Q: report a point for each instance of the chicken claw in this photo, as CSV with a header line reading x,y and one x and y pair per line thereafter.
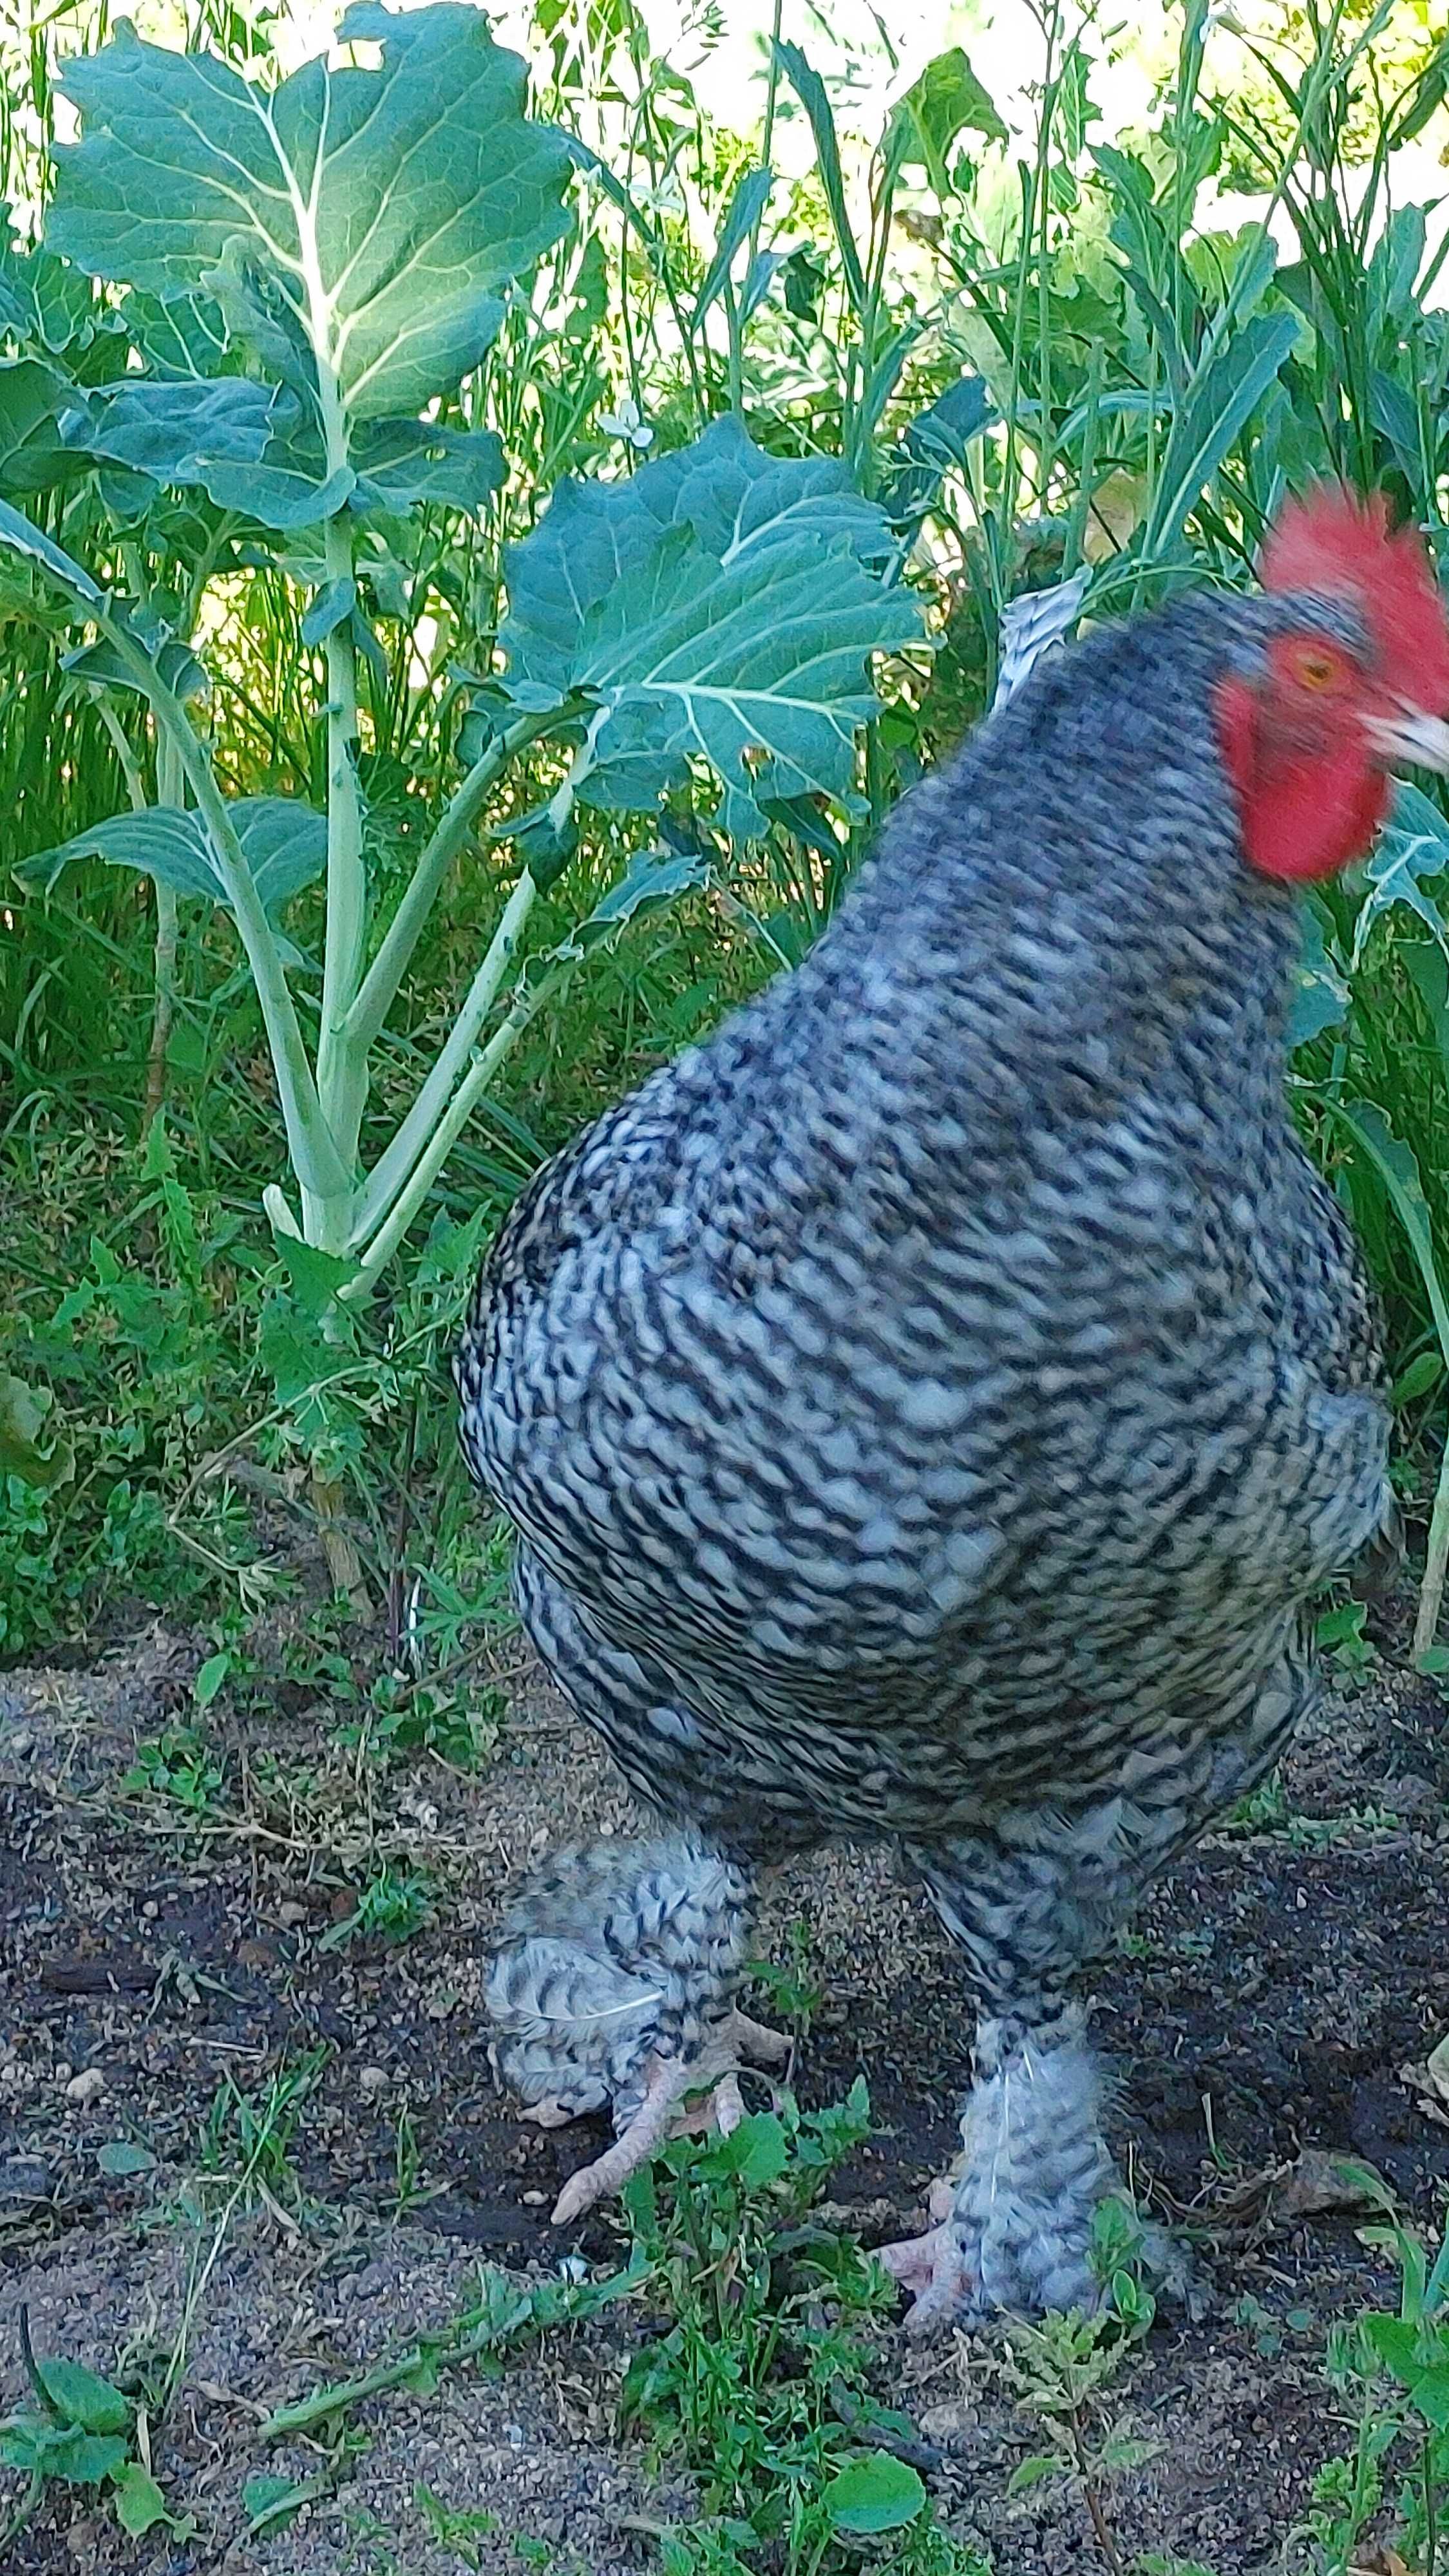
x,y
933,2267
663,2113
756,2042
548,2114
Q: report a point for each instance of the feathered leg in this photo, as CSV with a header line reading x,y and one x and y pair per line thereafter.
x,y
614,1983
1013,2231
1029,1902
616,1978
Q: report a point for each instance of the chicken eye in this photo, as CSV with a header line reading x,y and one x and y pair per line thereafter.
x,y
1315,668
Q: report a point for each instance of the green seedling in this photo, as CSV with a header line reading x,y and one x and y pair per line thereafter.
x,y
80,2432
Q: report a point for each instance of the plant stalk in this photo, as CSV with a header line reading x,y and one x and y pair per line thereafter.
x,y
341,1062
450,1127
171,790
313,1150
163,1007
389,1174
1436,1564
384,976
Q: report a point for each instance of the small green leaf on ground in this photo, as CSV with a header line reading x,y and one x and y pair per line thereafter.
x,y
121,2157
138,2500
83,2397
875,2493
23,1414
269,2502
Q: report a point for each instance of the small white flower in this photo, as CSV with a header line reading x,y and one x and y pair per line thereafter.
x,y
627,423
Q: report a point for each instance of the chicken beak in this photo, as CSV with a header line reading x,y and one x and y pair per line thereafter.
x,y
1409,738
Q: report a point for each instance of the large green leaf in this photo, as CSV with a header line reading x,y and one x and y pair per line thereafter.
x,y
399,462
50,305
388,207
42,2449
1319,996
250,447
178,429
22,537
721,603
285,846
1413,845
947,100
179,335
33,457
103,665
253,450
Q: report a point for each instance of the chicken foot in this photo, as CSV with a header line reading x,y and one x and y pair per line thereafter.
x,y
663,2113
1013,2229
613,1983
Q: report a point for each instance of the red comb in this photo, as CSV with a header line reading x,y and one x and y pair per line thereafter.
x,y
1335,544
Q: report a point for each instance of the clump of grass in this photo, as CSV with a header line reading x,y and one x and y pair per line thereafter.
x,y
247,2137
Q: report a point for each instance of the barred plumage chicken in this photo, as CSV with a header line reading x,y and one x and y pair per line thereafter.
x,y
928,1408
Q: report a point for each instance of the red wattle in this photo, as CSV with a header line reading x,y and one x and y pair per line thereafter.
x,y
1312,817
1302,815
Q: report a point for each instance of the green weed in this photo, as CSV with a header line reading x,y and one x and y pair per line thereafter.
x,y
793,1993
1268,1810
1340,1634
177,1766
393,1906
460,2528
758,2379
80,2433
1390,2374
247,2137
410,2190
1063,2369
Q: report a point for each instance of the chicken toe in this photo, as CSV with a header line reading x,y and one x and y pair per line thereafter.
x,y
614,1984
934,2267
1012,2231
663,2113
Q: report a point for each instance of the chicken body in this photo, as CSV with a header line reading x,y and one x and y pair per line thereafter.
x,y
928,1407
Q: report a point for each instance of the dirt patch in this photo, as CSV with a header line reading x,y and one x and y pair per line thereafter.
x,y
1274,1992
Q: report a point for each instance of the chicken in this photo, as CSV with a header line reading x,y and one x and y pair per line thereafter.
x,y
928,1407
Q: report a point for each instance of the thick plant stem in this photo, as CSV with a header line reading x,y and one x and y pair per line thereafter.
x,y
170,789
163,1009
341,1063
385,974
470,1091
390,1173
1436,1563
315,1158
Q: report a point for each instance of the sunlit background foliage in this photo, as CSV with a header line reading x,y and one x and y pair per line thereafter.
x,y
1063,299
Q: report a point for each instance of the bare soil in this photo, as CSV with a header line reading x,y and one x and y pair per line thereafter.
x,y
1277,2003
